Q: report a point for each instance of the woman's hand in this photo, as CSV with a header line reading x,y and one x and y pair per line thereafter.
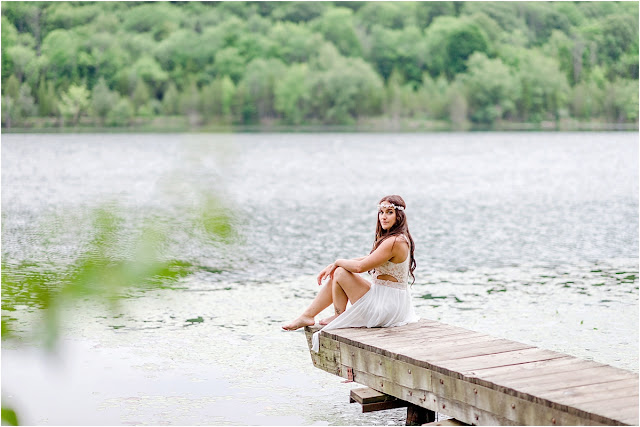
x,y
326,272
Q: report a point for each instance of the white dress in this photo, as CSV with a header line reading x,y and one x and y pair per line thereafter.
x,y
386,304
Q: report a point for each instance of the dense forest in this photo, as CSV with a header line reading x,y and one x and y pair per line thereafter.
x,y
451,64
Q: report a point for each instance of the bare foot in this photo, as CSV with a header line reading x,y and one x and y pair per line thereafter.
x,y
328,319
299,323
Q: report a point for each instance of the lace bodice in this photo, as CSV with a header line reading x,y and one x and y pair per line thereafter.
x,y
399,271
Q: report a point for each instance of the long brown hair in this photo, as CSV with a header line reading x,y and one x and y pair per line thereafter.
x,y
400,227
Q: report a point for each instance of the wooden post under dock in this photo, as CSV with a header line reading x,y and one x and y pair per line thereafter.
x,y
479,379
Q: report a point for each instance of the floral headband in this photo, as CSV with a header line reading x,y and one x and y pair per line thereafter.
x,y
381,206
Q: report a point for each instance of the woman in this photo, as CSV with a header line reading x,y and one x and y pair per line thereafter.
x,y
386,301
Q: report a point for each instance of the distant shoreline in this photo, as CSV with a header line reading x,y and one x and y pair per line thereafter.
x,y
364,126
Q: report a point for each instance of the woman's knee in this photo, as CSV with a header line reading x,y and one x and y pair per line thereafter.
x,y
340,273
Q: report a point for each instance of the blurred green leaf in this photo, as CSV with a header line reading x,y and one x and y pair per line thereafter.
x,y
9,417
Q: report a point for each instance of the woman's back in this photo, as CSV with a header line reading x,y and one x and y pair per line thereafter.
x,y
394,270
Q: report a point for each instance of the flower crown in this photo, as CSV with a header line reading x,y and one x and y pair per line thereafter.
x,y
390,205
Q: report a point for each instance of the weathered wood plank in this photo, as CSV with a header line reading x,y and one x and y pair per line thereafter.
x,y
626,407
614,394
439,343
381,406
627,404
501,359
366,395
425,338
487,348
399,333
563,365
524,368
568,380
445,345
591,392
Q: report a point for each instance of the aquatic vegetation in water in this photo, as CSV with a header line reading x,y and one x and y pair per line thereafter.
x,y
198,319
107,270
429,296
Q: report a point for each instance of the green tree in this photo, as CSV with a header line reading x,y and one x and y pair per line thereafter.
x,y
619,35
121,113
9,39
341,94
298,11
260,78
568,52
427,11
9,111
627,66
458,107
109,56
292,94
383,53
387,14
337,26
435,96
252,46
47,99
27,17
140,95
394,106
102,100
621,100
542,20
25,103
171,100
294,42
66,15
507,14
60,47
159,19
586,100
242,110
491,89
228,62
12,87
188,50
544,88
74,103
450,42
16,108
190,106
151,73
217,98
20,56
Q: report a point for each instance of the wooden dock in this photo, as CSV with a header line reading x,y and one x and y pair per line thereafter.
x,y
479,379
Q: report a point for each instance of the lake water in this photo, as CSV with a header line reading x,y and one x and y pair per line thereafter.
x,y
527,236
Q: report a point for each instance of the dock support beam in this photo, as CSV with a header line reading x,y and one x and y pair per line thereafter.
x,y
417,415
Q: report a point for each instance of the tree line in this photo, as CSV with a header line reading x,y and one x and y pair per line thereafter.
x,y
324,63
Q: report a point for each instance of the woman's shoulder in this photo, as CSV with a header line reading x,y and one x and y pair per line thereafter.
x,y
390,241
401,238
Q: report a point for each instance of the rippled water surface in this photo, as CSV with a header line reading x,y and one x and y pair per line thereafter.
x,y
527,236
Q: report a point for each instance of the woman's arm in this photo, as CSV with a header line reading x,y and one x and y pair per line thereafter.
x,y
382,254
328,270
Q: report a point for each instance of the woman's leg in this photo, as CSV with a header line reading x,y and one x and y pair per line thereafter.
x,y
340,300
346,287
319,303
